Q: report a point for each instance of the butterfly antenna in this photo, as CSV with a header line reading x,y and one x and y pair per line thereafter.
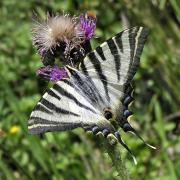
x,y
128,128
117,135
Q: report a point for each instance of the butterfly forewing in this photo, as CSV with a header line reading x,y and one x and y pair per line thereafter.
x,y
113,64
117,59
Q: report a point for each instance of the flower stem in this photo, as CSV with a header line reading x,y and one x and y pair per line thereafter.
x,y
115,156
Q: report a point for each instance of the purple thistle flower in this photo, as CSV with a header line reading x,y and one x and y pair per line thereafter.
x,y
52,73
88,24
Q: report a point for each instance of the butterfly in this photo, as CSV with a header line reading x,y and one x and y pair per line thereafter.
x,y
97,91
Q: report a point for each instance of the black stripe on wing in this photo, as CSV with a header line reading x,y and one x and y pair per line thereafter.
x,y
118,39
53,94
100,52
67,81
83,82
37,125
58,110
140,45
117,58
132,37
96,63
83,68
40,107
137,38
38,120
63,92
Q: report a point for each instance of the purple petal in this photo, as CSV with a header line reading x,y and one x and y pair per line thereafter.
x,y
88,25
52,73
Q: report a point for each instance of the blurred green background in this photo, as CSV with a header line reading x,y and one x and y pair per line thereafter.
x,y
75,155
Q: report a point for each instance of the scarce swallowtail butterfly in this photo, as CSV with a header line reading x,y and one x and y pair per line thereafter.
x,y
100,89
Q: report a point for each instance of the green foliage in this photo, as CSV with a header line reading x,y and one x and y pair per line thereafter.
x,y
74,155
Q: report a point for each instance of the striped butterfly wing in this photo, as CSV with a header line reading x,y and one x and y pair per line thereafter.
x,y
95,91
111,67
116,60
64,107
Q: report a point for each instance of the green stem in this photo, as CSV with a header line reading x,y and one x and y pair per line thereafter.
x,y
115,156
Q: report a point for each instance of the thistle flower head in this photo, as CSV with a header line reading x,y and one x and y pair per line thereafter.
x,y
88,24
64,37
52,73
49,34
